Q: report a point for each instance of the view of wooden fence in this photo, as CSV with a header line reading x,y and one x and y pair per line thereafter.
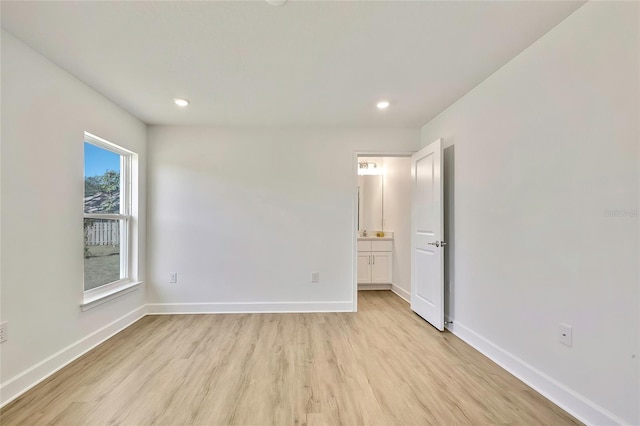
x,y
103,233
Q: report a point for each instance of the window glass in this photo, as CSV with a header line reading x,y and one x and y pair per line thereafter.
x,y
102,261
101,180
106,213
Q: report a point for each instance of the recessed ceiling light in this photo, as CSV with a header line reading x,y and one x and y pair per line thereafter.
x,y
181,102
276,2
383,104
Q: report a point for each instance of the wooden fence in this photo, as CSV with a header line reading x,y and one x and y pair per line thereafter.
x,y
103,233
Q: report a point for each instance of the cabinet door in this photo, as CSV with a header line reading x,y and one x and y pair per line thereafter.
x,y
381,267
364,268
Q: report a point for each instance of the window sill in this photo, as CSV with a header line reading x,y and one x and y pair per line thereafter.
x,y
93,298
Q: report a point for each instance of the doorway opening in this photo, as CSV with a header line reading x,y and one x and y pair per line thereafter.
x,y
399,242
383,223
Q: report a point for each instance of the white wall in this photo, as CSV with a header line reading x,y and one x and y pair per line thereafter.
x,y
245,215
397,218
45,111
541,150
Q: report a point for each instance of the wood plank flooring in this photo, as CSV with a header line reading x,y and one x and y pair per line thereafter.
x,y
381,366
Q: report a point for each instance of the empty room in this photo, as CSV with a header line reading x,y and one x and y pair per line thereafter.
x,y
287,212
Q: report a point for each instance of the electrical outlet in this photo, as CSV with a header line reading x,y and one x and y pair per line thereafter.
x,y
565,333
315,277
173,278
3,332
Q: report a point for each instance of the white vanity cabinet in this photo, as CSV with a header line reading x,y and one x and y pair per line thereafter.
x,y
375,261
364,267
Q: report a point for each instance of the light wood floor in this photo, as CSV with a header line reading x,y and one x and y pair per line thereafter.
x,y
381,366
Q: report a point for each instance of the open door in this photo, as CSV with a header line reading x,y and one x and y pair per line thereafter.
x,y
427,247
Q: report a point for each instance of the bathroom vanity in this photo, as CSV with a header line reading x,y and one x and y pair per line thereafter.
x,y
375,262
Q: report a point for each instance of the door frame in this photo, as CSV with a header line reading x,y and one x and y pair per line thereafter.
x,y
354,210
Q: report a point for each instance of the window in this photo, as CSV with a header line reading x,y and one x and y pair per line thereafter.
x,y
107,217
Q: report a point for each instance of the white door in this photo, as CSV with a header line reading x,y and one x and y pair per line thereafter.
x,y
381,267
364,268
427,251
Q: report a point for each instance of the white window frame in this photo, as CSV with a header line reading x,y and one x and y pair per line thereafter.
x,y
128,186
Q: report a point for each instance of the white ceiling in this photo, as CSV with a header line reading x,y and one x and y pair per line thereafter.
x,y
304,63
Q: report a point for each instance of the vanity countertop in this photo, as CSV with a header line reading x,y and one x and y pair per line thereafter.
x,y
385,238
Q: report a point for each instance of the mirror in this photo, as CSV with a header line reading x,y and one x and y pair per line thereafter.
x,y
370,198
370,203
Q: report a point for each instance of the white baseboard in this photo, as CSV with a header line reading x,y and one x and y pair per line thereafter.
x,y
247,307
19,384
569,400
369,286
401,292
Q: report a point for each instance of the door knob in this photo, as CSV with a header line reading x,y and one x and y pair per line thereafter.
x,y
438,244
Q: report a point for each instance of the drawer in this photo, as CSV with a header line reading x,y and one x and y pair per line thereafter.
x,y
381,245
364,245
